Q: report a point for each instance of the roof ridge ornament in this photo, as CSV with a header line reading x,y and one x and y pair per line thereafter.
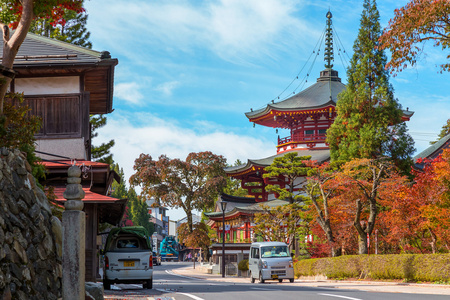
x,y
329,56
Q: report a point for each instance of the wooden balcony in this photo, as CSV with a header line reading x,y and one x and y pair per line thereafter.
x,y
302,138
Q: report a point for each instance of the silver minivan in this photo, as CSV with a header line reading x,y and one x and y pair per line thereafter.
x,y
128,257
270,261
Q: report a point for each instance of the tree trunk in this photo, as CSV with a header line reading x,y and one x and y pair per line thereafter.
x,y
11,45
433,241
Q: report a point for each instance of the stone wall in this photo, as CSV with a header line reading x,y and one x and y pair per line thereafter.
x,y
30,237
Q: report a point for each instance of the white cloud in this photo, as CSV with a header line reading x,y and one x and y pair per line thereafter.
x,y
129,92
157,137
167,87
232,29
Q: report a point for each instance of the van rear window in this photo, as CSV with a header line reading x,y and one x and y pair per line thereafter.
x,y
127,243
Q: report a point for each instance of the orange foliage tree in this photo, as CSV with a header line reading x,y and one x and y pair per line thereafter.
x,y
417,22
366,186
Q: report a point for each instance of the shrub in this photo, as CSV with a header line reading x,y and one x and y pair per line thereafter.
x,y
243,265
417,267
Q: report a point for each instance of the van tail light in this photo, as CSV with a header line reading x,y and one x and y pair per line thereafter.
x,y
106,263
150,263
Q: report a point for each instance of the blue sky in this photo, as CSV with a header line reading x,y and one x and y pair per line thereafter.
x,y
189,70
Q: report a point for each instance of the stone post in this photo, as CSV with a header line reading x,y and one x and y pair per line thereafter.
x,y
74,235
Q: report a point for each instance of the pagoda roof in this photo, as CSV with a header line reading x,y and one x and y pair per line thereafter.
x,y
319,155
321,94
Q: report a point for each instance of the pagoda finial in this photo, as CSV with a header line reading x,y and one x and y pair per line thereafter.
x,y
329,56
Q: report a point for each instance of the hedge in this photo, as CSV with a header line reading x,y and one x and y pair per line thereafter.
x,y
410,267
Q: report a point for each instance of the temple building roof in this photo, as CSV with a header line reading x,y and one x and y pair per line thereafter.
x,y
433,151
319,155
320,95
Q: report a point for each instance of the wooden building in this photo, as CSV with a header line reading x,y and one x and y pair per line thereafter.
x,y
64,84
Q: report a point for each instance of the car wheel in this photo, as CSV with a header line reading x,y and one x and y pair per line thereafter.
x,y
291,280
280,280
252,279
148,284
261,280
106,284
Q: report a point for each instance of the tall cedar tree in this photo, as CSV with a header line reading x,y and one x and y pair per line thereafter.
x,y
414,24
366,109
18,14
191,184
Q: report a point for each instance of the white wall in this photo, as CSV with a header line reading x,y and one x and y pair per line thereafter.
x,y
73,148
48,85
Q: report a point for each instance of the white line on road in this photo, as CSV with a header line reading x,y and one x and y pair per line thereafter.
x,y
174,274
191,296
185,294
339,296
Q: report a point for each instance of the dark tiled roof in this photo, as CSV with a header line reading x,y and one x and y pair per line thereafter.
x,y
434,150
37,50
321,94
318,155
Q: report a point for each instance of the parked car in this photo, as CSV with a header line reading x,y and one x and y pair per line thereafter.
x,y
270,261
128,257
156,259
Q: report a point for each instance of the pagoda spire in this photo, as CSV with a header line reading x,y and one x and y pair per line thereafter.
x,y
329,56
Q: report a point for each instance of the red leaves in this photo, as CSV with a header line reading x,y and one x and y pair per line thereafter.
x,y
415,23
51,9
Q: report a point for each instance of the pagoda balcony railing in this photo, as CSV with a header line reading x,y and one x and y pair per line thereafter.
x,y
302,138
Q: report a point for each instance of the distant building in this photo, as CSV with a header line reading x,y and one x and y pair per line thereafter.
x,y
159,219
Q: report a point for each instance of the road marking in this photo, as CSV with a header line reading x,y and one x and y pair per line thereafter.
x,y
185,294
339,296
191,296
170,272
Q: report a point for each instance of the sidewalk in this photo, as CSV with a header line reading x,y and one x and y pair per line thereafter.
x,y
373,286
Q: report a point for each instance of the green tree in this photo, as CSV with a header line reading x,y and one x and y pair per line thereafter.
x,y
291,167
234,185
191,184
280,223
100,153
367,113
444,131
73,31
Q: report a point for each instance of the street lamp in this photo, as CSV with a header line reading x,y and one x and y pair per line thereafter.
x,y
224,206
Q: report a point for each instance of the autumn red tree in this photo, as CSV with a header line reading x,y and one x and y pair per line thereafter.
x,y
417,22
191,184
364,185
18,14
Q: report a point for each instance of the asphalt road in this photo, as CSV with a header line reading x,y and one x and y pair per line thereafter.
x,y
168,285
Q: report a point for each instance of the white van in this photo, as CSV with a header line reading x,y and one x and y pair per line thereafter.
x,y
128,257
270,261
